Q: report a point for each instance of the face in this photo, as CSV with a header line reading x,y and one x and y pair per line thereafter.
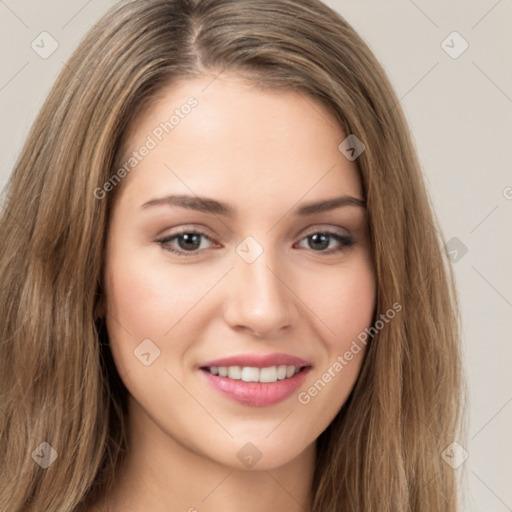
x,y
229,316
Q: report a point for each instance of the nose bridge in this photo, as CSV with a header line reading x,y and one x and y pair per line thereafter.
x,y
259,298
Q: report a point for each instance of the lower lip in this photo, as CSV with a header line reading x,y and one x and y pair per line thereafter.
x,y
256,394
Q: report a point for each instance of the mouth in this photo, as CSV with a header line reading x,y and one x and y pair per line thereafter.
x,y
253,374
254,380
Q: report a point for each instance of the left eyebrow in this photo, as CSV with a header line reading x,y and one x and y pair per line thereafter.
x,y
208,205
330,204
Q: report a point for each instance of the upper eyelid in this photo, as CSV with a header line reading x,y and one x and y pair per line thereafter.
x,y
310,229
205,233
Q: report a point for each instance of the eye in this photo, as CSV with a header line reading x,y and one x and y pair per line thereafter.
x,y
190,241
319,241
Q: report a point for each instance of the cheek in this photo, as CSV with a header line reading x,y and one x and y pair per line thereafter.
x,y
139,295
346,303
139,304
346,307
146,292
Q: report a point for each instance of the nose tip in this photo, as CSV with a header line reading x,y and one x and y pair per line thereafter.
x,y
259,300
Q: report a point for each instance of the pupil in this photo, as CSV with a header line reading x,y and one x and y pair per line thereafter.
x,y
315,239
191,241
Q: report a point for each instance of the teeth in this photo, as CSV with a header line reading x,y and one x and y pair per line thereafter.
x,y
235,372
268,374
281,372
251,374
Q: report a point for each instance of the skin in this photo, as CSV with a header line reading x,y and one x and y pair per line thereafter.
x,y
266,152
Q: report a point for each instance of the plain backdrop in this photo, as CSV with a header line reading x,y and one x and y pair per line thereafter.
x,y
458,102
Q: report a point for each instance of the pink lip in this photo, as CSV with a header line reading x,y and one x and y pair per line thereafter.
x,y
257,394
258,361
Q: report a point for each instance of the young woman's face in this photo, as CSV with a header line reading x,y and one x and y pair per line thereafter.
x,y
252,282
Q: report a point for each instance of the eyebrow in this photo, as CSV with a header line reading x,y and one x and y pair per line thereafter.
x,y
208,205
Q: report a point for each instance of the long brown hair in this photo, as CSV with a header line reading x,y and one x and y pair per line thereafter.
x,y
57,381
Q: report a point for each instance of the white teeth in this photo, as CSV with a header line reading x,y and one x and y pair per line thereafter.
x,y
281,372
234,372
268,374
251,374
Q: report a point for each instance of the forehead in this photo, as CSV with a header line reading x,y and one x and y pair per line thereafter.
x,y
224,136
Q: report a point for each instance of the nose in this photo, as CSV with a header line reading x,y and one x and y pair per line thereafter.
x,y
260,300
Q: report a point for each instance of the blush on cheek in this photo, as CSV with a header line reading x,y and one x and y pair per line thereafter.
x,y
155,302
347,309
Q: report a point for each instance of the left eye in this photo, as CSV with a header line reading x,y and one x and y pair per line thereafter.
x,y
321,240
190,242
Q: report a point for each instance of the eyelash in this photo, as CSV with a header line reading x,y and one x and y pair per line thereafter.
x,y
344,241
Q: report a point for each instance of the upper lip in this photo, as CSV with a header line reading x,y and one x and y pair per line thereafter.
x,y
258,361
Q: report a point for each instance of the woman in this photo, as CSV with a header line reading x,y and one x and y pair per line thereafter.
x,y
144,370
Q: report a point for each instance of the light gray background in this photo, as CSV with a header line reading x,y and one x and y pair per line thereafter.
x,y
459,111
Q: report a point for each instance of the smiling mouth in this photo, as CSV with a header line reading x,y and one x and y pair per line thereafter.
x,y
252,374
